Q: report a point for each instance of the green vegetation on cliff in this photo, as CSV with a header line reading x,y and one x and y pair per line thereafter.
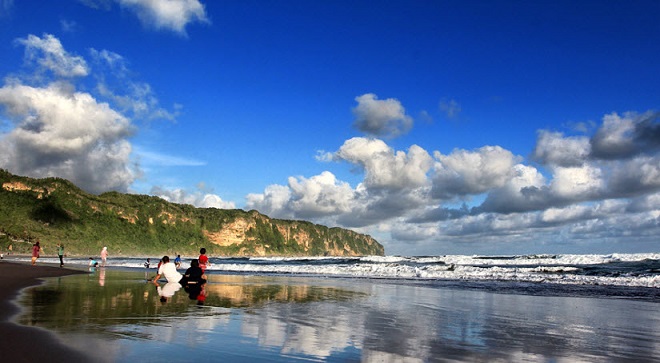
x,y
54,210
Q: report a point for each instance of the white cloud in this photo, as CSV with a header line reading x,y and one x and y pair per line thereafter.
x,y
615,137
384,167
472,172
199,198
410,196
636,176
174,15
318,196
67,134
381,118
49,53
129,96
154,158
563,215
577,183
273,202
554,149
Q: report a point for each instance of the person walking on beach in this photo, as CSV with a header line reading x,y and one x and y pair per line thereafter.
x,y
104,256
203,259
168,270
35,252
60,253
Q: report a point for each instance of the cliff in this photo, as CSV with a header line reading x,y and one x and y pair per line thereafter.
x,y
54,210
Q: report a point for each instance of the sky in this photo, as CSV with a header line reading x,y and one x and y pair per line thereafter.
x,y
437,127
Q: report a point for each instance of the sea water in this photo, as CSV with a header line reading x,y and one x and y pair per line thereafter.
x,y
331,310
623,270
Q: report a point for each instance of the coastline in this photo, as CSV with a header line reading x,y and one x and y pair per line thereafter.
x,y
28,344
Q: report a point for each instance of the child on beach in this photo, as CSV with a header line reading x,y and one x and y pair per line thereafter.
x,y
177,261
35,252
60,253
203,259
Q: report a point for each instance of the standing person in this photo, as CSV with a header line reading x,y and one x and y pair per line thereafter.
x,y
104,255
60,253
203,259
35,252
177,261
168,270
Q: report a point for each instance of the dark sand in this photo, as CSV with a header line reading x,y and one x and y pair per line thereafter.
x,y
27,344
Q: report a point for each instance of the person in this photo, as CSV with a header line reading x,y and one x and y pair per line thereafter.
x,y
35,252
60,253
93,262
104,255
194,274
177,261
147,263
168,270
193,280
203,259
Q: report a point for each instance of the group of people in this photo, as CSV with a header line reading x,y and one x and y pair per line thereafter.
x,y
193,280
37,250
104,258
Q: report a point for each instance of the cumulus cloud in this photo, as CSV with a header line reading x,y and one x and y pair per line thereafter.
x,y
199,198
575,193
553,148
385,167
173,15
67,134
273,201
318,196
472,172
626,136
52,129
381,118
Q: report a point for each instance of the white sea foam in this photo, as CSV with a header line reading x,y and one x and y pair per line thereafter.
x,y
557,269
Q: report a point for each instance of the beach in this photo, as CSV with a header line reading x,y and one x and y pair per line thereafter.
x,y
116,314
29,344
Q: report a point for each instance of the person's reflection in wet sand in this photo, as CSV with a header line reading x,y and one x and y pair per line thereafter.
x,y
102,276
167,291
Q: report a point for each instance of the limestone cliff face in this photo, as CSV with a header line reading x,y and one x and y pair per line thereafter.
x,y
257,234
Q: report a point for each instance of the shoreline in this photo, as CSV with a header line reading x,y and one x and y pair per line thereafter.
x,y
23,343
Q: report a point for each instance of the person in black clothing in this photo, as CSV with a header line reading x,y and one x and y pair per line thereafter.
x,y
193,280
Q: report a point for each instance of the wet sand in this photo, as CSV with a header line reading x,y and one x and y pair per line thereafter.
x,y
28,344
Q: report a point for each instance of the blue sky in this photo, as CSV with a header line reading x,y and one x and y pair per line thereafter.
x,y
438,127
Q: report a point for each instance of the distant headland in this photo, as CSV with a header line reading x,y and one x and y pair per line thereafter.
x,y
54,210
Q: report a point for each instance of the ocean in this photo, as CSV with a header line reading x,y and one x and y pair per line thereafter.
x,y
541,308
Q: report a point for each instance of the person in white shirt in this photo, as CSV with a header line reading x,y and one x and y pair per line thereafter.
x,y
168,270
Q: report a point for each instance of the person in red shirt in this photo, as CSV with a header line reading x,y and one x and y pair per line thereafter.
x,y
203,260
35,252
